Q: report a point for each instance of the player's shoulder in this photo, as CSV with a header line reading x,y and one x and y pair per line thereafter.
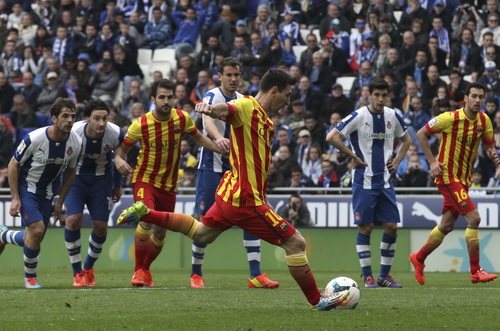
x,y
112,127
74,137
78,126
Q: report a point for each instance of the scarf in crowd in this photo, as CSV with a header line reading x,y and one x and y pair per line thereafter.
x,y
417,75
59,49
464,56
71,91
444,41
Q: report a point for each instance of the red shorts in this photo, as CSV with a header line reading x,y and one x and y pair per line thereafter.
x,y
456,198
154,197
261,221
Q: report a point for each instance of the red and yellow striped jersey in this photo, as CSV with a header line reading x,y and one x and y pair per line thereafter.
x,y
252,133
460,142
159,158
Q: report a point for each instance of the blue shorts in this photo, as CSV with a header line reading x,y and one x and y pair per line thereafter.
x,y
95,192
207,182
34,208
374,205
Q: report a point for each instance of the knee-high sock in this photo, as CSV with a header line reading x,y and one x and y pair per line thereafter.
x,y
252,245
197,256
30,261
364,254
74,246
433,241
13,237
173,221
141,239
301,271
387,250
95,249
472,239
154,249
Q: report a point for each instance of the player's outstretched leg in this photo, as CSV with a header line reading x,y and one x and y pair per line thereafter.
x,y
197,256
419,268
257,278
10,237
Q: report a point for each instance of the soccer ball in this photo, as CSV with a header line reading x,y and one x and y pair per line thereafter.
x,y
340,284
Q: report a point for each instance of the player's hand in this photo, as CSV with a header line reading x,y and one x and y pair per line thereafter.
x,y
390,165
59,214
203,108
492,153
15,207
436,169
358,162
116,194
123,167
223,144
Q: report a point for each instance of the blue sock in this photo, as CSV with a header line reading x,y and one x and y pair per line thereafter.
x,y
364,254
95,249
74,246
197,256
13,237
30,261
252,245
387,250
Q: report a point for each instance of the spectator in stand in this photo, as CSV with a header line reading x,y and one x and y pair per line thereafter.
x,y
258,59
430,86
440,32
275,178
461,55
72,90
491,107
416,68
89,43
413,10
490,78
493,27
189,25
126,65
21,115
213,25
15,17
203,84
437,56
391,63
328,177
296,212
386,27
44,14
105,80
312,166
30,90
336,103
107,16
333,12
27,30
408,48
442,94
126,40
363,97
299,179
316,129
416,118
483,54
404,165
52,65
415,175
285,161
9,59
421,35
239,48
464,15
359,9
312,98
206,57
334,58
363,78
259,25
283,137
6,94
457,87
42,37
186,158
132,96
158,32
105,40
384,42
181,95
64,5
356,37
338,37
62,45
83,72
306,58
89,11
48,94
385,8
28,60
304,143
320,74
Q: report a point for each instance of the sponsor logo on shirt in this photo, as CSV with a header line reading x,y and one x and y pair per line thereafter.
x,y
433,122
377,135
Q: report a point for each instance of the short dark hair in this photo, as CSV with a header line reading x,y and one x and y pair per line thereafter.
x,y
296,168
378,84
59,104
492,100
474,85
295,195
162,83
276,77
229,62
309,115
190,170
95,104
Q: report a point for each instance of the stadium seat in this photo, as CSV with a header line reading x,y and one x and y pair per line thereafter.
x,y
165,67
146,73
468,78
445,79
165,55
297,50
304,33
316,32
397,15
118,95
346,83
145,56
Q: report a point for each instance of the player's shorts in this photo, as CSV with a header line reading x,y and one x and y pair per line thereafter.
x,y
34,208
261,221
456,198
154,198
93,191
374,205
207,182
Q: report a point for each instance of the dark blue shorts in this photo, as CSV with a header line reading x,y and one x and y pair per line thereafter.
x,y
34,208
206,185
95,192
374,205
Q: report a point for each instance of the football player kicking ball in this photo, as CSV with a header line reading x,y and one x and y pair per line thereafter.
x,y
461,130
34,172
97,183
241,196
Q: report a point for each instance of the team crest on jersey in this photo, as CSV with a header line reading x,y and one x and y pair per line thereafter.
x,y
479,128
107,148
389,125
357,217
433,122
233,102
206,100
177,129
70,150
21,147
284,226
463,204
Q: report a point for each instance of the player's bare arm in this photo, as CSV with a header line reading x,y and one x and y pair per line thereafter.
x,y
214,133
435,167
206,142
394,164
334,137
68,178
13,173
216,110
121,165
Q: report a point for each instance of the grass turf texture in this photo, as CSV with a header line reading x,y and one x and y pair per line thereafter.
x,y
448,301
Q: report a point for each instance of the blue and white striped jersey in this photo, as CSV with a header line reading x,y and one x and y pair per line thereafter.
x,y
208,159
97,156
372,138
42,160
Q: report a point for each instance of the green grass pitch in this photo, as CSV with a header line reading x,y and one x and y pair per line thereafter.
x,y
448,301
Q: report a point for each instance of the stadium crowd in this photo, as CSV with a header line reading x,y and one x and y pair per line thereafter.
x,y
427,50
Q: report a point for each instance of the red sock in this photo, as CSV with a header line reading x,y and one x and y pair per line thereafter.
x,y
472,239
159,218
141,240
154,249
301,271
